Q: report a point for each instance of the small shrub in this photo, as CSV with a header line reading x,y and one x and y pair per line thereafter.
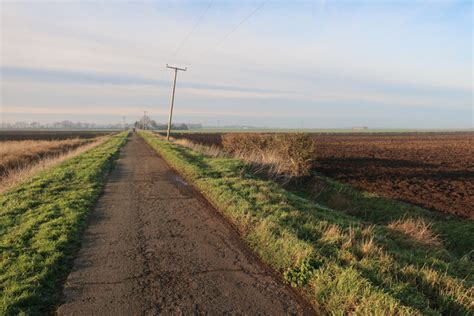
x,y
300,275
290,154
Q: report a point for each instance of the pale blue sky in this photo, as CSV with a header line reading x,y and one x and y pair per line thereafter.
x,y
274,63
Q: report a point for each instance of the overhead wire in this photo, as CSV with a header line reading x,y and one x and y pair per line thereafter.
x,y
227,35
236,27
198,22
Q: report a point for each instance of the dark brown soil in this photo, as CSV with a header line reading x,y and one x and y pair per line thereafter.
x,y
48,134
154,246
435,170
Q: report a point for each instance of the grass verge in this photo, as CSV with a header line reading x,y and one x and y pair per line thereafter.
x,y
456,234
41,222
342,263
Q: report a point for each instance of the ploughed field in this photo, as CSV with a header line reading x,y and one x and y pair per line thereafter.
x,y
48,134
434,170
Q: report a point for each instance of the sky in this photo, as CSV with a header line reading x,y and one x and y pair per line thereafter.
x,y
289,64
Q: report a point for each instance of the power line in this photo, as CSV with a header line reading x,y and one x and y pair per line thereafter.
x,y
236,27
181,45
145,123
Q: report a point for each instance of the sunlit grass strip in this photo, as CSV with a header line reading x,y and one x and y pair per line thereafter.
x,y
343,264
40,226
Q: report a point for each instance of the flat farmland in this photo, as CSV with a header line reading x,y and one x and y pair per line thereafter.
x,y
184,210
48,134
433,170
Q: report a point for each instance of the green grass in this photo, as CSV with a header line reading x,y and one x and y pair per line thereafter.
x,y
41,222
343,263
456,233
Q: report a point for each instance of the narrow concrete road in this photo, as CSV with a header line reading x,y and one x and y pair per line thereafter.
x,y
154,246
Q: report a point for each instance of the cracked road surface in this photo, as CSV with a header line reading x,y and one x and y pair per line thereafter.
x,y
154,246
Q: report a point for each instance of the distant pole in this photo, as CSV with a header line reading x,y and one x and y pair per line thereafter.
x,y
172,98
145,120
123,122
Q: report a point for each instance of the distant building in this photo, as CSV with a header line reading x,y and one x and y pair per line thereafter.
x,y
359,128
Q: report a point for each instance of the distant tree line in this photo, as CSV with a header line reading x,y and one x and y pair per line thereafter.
x,y
144,122
62,125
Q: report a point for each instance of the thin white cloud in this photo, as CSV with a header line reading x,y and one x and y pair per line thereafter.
x,y
222,93
262,55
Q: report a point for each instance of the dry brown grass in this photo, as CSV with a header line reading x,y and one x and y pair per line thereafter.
x,y
332,234
368,247
21,172
350,239
286,156
417,229
19,154
210,151
289,154
368,231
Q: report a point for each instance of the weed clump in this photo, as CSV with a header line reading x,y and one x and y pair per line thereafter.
x,y
300,275
289,154
417,229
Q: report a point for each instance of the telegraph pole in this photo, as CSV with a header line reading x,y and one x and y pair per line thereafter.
x,y
145,120
172,98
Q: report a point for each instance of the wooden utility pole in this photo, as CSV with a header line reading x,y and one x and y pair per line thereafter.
x,y
145,120
172,98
